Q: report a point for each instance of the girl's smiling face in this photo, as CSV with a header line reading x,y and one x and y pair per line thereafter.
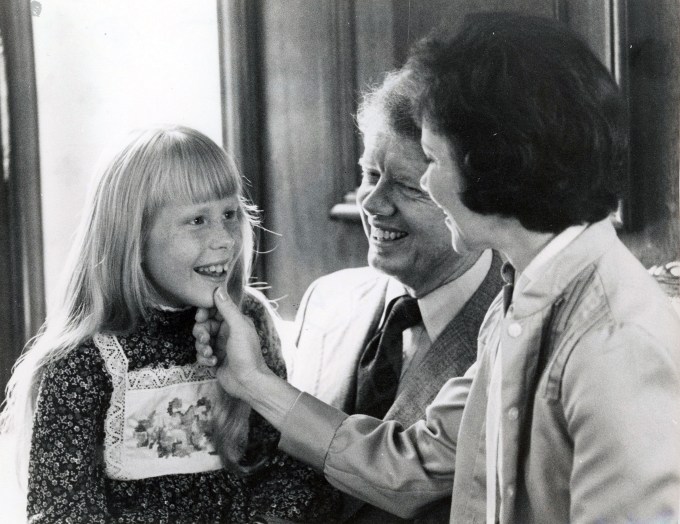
x,y
191,249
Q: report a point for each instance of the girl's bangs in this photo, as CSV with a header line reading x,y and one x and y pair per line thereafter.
x,y
194,175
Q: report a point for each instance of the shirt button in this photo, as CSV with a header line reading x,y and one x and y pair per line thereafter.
x,y
513,413
514,330
510,492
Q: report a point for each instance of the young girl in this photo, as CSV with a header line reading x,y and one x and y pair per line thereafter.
x,y
119,416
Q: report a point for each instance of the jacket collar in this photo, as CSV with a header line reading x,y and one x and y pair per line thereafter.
x,y
450,355
557,273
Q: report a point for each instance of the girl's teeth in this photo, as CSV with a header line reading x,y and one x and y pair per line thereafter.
x,y
218,270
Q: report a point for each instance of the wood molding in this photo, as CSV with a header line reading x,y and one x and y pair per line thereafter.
x,y
241,93
23,290
240,86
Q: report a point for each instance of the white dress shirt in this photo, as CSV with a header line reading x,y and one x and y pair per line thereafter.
x,y
438,308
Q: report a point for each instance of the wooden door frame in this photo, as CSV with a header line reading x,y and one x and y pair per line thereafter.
x,y
22,293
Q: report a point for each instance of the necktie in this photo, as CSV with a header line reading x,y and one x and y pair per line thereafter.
x,y
380,363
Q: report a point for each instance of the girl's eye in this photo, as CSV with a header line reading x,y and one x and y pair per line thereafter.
x,y
229,215
197,221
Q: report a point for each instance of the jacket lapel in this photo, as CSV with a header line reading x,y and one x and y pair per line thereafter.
x,y
333,338
454,351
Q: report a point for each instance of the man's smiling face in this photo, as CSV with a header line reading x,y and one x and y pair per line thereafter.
x,y
407,237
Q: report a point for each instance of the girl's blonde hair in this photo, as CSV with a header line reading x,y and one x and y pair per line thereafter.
x,y
105,288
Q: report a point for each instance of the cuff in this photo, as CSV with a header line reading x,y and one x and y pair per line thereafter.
x,y
308,430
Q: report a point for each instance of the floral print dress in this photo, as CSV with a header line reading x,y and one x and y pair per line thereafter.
x,y
94,462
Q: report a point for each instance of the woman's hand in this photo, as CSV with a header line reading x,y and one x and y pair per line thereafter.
x,y
208,322
229,338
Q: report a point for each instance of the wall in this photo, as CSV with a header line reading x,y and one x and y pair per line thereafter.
x,y
105,68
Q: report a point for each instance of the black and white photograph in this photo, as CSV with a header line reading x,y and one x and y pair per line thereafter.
x,y
340,261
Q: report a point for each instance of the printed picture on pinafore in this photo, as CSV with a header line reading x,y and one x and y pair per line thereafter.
x,y
179,430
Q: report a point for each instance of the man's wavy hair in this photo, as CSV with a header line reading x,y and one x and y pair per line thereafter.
x,y
388,107
537,123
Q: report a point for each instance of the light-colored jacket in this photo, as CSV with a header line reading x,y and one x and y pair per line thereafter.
x,y
341,312
590,398
338,316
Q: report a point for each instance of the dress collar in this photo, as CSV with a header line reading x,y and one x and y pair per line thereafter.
x,y
163,316
541,283
550,251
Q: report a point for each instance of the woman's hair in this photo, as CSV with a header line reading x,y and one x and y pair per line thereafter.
x,y
105,288
537,123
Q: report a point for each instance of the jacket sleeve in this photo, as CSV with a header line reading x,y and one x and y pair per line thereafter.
x,y
399,470
621,395
66,480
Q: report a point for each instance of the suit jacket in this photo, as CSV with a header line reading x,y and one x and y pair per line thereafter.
x,y
590,401
340,313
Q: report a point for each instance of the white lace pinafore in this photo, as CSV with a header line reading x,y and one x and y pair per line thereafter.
x,y
160,419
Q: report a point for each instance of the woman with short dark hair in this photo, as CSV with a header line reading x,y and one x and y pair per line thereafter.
x,y
538,123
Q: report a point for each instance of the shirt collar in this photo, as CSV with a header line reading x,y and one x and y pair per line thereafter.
x,y
548,253
444,303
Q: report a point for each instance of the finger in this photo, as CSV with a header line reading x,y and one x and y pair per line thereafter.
x,y
210,362
225,305
201,333
205,355
204,350
204,331
202,314
213,326
206,360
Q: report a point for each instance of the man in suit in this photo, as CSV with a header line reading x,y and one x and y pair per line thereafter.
x,y
409,253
